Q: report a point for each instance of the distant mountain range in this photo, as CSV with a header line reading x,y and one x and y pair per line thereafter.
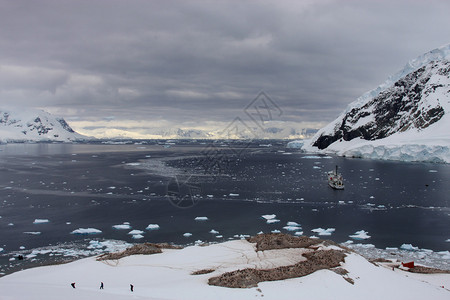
x,y
34,125
405,118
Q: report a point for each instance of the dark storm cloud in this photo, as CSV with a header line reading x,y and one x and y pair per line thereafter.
x,y
206,60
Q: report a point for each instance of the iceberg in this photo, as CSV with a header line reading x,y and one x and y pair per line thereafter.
x,y
321,231
268,217
360,235
135,232
123,226
152,227
295,144
292,228
86,231
409,247
40,221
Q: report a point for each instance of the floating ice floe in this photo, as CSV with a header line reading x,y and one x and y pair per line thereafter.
x,y
299,233
213,231
292,224
187,234
86,231
32,232
268,217
123,226
40,221
152,227
135,231
219,236
1,249
201,219
137,236
271,221
409,247
360,235
275,231
448,240
292,228
321,231
233,195
432,171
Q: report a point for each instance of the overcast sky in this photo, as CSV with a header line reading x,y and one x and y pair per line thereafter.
x,y
197,64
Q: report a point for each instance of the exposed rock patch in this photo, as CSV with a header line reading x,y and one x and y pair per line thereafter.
x,y
146,248
271,241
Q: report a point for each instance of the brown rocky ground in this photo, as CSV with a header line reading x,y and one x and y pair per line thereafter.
x,y
250,277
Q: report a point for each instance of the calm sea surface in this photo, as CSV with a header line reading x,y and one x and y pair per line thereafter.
x,y
47,191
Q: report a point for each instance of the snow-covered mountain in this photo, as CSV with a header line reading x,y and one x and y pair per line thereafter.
x,y
34,125
405,118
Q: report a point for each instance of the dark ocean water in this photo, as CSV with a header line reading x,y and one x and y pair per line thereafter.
x,y
232,184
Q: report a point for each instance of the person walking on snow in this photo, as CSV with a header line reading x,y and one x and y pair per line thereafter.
x,y
131,287
73,284
101,285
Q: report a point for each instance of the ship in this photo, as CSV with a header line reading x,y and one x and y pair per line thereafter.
x,y
335,179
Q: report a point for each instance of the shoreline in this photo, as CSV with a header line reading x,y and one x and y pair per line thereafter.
x,y
273,266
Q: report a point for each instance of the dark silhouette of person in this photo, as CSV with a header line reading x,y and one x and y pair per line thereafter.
x,y
73,284
131,287
101,285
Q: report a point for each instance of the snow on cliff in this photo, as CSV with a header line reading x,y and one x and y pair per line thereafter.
x,y
22,125
406,118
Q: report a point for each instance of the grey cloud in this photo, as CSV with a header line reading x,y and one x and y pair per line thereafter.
x,y
206,60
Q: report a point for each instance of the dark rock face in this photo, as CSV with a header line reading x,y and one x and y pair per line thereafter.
x,y
396,109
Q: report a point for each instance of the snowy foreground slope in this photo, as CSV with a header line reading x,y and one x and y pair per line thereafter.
x,y
406,118
23,125
168,275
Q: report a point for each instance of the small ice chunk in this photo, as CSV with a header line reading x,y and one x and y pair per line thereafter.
x,y
86,231
299,233
201,219
321,231
432,171
68,223
219,236
292,228
233,195
22,247
448,240
409,247
1,249
391,248
292,224
187,234
137,236
152,227
210,196
135,232
122,226
268,217
32,232
360,235
40,221
276,231
213,231
271,221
